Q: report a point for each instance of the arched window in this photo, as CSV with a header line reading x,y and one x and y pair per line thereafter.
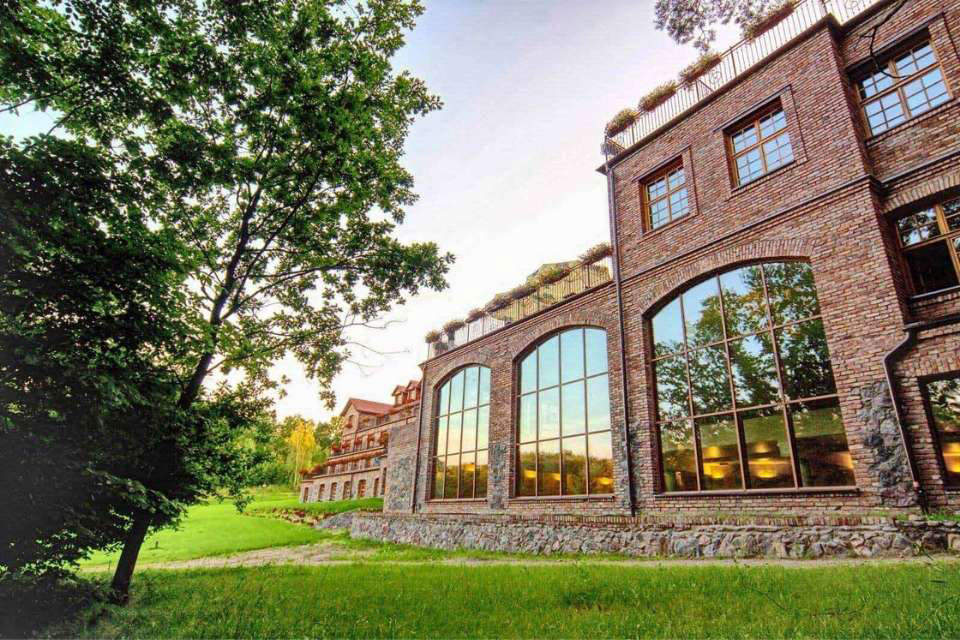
x,y
745,391
563,426
462,430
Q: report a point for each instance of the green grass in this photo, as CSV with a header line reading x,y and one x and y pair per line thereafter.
x,y
338,506
576,600
216,529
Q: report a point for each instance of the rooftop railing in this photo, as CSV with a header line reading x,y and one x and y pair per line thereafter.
x,y
734,62
580,279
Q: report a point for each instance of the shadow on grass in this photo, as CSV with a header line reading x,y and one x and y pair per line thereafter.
x,y
29,605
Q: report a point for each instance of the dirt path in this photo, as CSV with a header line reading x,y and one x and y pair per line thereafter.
x,y
325,553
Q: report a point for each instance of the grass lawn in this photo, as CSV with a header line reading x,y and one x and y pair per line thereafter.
x,y
337,506
576,600
217,529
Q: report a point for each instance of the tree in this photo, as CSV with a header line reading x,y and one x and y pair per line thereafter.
x,y
268,138
302,445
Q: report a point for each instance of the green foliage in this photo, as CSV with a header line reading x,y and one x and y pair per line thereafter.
x,y
293,505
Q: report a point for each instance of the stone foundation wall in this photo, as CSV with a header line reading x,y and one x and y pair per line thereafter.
x,y
789,538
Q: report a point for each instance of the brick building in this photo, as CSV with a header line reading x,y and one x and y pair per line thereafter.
x,y
357,466
775,331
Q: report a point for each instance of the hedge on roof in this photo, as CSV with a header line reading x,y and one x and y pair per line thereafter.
x,y
619,122
763,22
707,60
658,96
432,336
595,253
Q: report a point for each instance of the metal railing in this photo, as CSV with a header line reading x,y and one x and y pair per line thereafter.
x,y
580,279
734,62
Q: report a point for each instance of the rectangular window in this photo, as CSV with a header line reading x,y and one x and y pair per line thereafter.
x,y
760,146
930,240
665,196
902,87
943,401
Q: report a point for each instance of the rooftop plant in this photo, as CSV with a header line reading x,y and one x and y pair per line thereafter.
x,y
619,122
553,274
498,301
760,23
658,96
595,253
475,314
522,291
453,325
432,336
707,60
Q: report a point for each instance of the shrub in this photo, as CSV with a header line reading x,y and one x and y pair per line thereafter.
x,y
761,23
432,336
499,301
658,96
553,274
619,122
453,325
595,253
707,60
475,314
522,291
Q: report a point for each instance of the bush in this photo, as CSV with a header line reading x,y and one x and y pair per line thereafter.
x,y
475,314
432,336
708,60
499,301
453,325
763,22
619,122
595,253
658,96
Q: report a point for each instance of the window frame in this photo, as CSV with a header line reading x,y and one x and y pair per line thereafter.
x,y
518,396
946,235
753,120
664,173
935,434
889,58
434,421
783,403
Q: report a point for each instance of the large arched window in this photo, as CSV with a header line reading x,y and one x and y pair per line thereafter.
x,y
745,391
563,425
462,429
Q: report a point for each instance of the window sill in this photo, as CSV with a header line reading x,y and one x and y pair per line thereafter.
x,y
931,295
756,492
871,140
736,191
584,498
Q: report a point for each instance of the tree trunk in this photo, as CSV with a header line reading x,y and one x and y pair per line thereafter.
x,y
120,587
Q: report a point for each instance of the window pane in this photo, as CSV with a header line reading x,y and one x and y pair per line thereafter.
x,y
469,430
944,397
918,227
719,457
709,382
659,213
875,83
456,392
931,267
444,406
453,439
925,92
601,462
549,468
701,310
754,370
744,305
793,295
821,444
768,449
677,456
442,436
951,211
571,355
749,166
438,472
527,470
668,329
471,380
573,409
772,123
676,178
778,152
549,354
598,403
884,113
574,465
528,373
671,384
528,417
657,189
451,477
483,426
596,340
805,360
484,385
744,138
679,203
480,490
467,468
549,414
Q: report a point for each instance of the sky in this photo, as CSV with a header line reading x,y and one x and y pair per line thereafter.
x,y
506,170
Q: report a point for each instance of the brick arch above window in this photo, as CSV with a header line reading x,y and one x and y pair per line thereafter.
x,y
675,280
919,194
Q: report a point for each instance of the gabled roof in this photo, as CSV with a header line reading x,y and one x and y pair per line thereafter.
x,y
367,406
413,384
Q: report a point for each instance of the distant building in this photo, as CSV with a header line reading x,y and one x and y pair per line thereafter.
x,y
357,467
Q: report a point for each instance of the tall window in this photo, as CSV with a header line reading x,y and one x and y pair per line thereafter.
x,y
905,86
462,430
376,487
665,196
563,428
760,146
346,490
943,400
333,491
745,391
931,246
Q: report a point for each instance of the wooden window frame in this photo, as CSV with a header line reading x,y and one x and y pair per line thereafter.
x,y
890,67
946,236
753,120
664,173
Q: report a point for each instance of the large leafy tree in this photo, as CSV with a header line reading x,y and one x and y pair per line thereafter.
x,y
268,139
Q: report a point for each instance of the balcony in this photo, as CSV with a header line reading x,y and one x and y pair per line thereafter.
x,y
581,278
734,62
